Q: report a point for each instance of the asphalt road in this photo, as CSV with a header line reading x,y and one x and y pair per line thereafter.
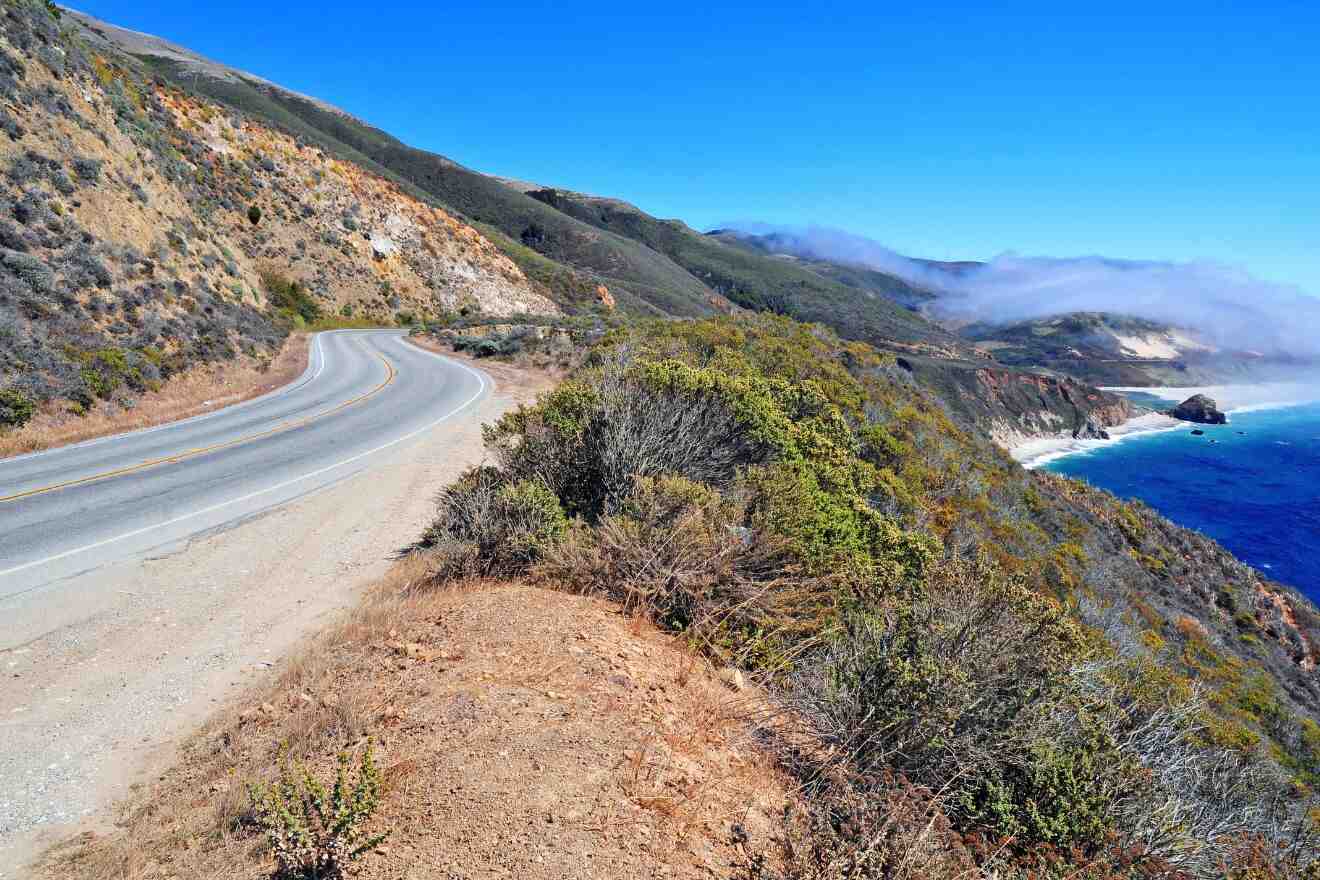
x,y
70,510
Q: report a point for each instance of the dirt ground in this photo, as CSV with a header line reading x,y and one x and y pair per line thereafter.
x,y
522,732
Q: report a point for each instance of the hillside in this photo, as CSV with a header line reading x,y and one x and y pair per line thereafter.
x,y
761,468
1067,679
1098,348
570,258
587,252
147,230
863,278
1103,348
874,641
763,282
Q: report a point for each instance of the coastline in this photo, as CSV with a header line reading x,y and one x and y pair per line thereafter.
x,y
1231,398
1034,453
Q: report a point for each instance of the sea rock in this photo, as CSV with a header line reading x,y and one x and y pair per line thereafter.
x,y
1200,409
1091,429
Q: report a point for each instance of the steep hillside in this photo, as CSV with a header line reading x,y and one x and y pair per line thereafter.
x,y
1101,348
1013,406
763,282
862,278
145,230
587,252
570,258
1074,685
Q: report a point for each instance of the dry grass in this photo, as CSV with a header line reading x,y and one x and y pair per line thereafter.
x,y
520,732
201,389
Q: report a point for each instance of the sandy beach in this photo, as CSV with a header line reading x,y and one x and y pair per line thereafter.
x,y
1230,398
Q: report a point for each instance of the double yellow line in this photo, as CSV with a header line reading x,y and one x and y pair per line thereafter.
x,y
203,450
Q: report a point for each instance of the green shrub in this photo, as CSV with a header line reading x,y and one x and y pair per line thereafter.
x,y
315,832
254,215
291,298
488,526
16,408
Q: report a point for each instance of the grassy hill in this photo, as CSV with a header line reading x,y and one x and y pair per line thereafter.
x,y
857,303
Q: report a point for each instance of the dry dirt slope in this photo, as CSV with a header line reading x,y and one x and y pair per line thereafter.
x,y
521,732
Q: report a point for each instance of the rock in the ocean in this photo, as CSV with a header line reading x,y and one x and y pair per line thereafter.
x,y
1198,433
1201,409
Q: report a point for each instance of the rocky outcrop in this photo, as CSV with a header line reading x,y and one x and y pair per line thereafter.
x,y
1200,409
1015,406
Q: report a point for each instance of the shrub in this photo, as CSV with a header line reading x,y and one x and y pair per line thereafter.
x,y
921,684
881,828
488,526
676,552
32,270
291,298
589,438
88,170
254,215
316,832
16,408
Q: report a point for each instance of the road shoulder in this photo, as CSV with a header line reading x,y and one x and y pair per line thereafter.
x,y
93,706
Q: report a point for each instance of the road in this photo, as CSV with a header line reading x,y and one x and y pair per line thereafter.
x,y
73,509
148,578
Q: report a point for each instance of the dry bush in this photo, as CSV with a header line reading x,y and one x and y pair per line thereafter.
x,y
864,829
673,553
488,526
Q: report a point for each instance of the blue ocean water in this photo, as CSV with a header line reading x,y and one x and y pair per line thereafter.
x,y
1253,485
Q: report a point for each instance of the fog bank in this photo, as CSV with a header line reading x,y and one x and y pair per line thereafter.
x,y
1227,306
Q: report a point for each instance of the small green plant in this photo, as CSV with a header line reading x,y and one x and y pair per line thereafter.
x,y
254,215
316,832
16,408
291,298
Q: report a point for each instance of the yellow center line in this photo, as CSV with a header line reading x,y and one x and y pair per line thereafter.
x,y
192,453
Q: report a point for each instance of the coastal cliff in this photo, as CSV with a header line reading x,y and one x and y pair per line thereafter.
x,y
1015,406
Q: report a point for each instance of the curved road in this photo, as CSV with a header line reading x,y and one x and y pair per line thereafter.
x,y
73,509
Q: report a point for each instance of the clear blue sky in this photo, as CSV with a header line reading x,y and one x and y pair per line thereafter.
x,y
1159,130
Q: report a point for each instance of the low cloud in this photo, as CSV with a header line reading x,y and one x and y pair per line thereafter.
x,y
1228,307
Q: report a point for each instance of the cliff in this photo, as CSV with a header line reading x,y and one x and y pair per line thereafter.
x,y
1013,406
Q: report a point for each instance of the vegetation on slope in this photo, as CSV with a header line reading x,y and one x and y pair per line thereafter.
x,y
569,257
763,282
1061,676
141,228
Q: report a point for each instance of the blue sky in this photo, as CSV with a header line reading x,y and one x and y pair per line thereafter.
x,y
1149,131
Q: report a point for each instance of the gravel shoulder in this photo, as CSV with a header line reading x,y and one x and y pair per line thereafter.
x,y
132,657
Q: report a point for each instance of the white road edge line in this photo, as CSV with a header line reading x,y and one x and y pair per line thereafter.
x,y
316,473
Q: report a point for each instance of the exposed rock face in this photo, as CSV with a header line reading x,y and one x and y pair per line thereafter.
x,y
1014,406
1200,409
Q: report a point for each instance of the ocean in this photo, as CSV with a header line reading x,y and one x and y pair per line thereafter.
x,y
1253,484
